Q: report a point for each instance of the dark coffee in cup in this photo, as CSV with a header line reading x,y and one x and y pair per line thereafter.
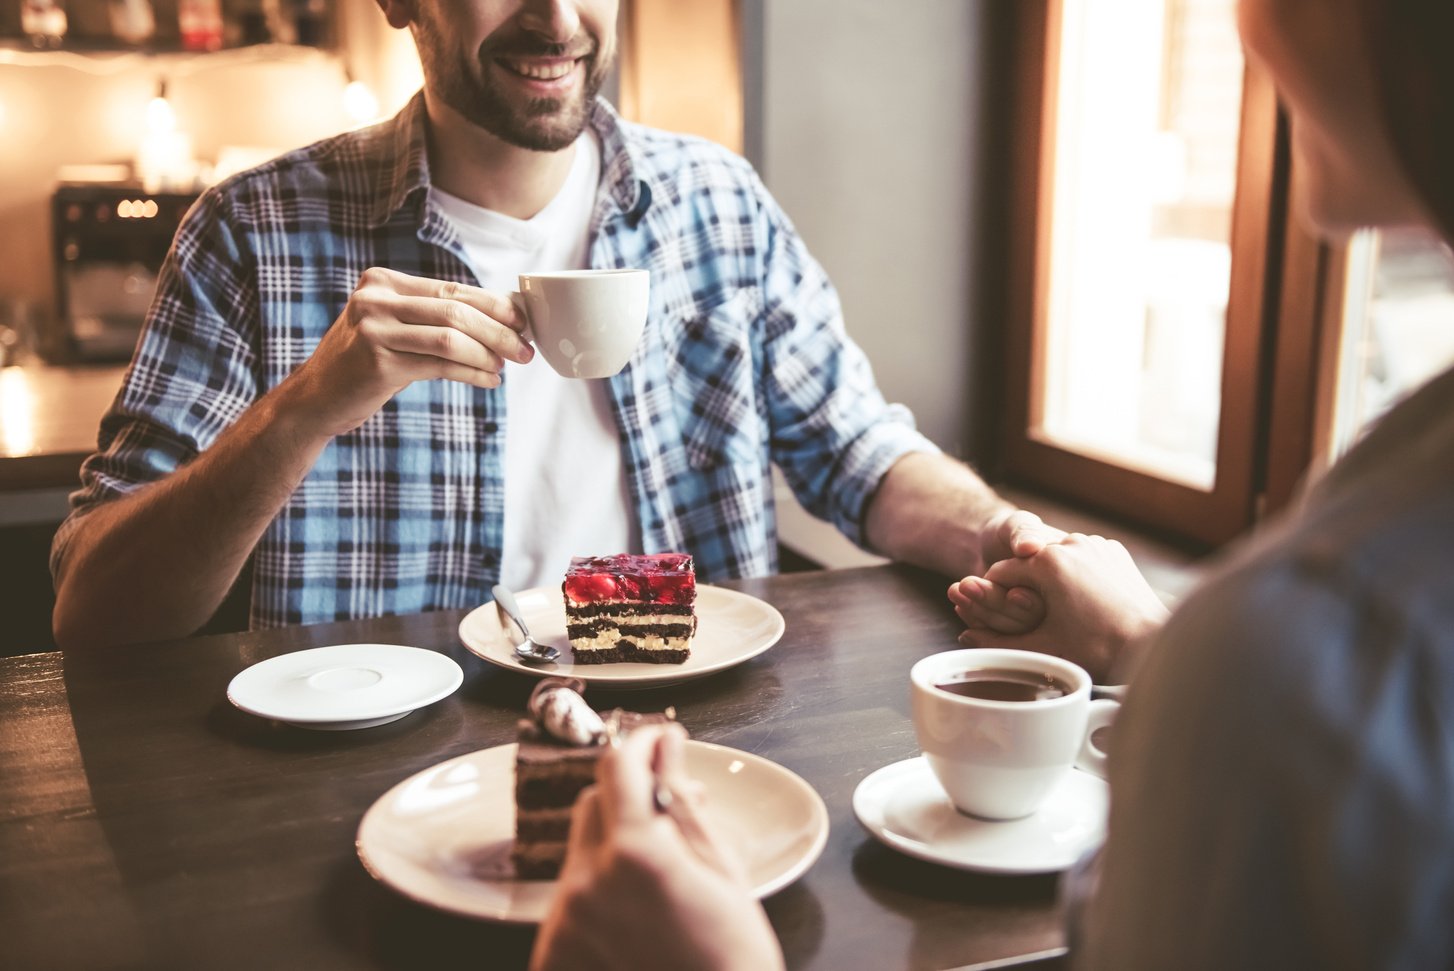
x,y
1005,684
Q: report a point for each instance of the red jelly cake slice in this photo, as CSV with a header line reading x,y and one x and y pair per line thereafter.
x,y
631,607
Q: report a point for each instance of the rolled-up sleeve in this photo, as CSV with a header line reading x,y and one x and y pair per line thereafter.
x,y
193,373
833,434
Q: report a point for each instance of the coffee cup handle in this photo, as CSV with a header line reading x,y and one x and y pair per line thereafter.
x,y
518,299
1092,758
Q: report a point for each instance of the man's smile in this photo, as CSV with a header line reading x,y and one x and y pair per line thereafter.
x,y
540,68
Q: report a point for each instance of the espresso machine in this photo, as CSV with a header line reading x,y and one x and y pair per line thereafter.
x,y
110,240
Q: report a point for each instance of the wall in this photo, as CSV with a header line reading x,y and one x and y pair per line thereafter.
x,y
680,67
61,108
873,121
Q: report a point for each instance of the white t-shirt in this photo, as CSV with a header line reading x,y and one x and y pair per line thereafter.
x,y
566,492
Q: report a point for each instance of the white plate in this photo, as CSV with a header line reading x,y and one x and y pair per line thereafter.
x,y
345,686
904,807
442,837
731,628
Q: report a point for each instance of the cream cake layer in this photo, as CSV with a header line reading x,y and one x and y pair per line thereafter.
x,y
631,608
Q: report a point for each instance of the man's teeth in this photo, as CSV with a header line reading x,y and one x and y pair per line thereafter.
x,y
542,72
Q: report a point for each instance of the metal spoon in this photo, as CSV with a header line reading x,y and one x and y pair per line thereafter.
x,y
527,649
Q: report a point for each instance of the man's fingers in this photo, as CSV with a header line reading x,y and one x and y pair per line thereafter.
x,y
497,304
490,317
468,320
445,344
454,371
451,332
1028,534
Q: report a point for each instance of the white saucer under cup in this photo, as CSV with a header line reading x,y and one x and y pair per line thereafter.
x,y
904,807
345,686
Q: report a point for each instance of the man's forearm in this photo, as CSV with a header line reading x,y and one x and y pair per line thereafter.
x,y
156,564
931,510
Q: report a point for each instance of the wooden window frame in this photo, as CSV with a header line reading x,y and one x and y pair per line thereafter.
x,y
1273,390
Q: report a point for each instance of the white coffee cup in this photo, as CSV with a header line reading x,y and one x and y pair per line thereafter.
x,y
585,323
999,759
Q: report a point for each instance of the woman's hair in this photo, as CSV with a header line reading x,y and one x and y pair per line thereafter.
x,y
1411,45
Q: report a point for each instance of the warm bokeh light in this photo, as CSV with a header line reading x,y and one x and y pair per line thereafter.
x,y
137,209
359,103
17,411
164,156
160,118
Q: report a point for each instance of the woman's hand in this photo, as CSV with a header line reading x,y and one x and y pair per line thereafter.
x,y
647,888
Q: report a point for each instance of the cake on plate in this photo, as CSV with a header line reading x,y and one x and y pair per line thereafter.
x,y
558,747
631,607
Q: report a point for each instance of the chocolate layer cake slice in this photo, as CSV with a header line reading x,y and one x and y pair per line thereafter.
x,y
549,775
631,607
558,747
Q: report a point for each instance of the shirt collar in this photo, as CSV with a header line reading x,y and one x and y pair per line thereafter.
x,y
406,160
406,169
623,176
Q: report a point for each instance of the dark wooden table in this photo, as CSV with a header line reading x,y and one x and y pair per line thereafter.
x,y
145,823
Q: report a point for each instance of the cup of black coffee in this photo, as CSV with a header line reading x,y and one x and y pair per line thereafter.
x,y
999,728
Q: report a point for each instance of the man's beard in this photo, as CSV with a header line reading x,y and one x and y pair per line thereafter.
x,y
539,124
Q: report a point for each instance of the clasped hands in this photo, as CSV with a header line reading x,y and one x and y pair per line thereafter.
x,y
1075,596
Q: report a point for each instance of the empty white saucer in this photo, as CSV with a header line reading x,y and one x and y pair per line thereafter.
x,y
904,807
345,686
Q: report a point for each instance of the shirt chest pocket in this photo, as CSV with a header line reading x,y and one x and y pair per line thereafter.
x,y
713,384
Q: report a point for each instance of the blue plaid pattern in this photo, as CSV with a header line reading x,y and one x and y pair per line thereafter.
x,y
744,363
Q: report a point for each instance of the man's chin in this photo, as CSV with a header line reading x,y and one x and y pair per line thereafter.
x,y
542,132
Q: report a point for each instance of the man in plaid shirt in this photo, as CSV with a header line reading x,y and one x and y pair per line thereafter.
x,y
333,371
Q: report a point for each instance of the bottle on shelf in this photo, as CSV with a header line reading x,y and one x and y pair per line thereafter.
x,y
282,29
132,21
43,21
200,22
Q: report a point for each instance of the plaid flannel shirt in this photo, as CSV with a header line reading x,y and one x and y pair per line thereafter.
x,y
744,363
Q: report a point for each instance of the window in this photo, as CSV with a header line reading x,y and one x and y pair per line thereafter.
x,y
1148,101
1397,306
1147,214
1190,350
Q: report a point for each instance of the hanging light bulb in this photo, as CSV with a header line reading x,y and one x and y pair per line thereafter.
x,y
164,153
160,118
359,103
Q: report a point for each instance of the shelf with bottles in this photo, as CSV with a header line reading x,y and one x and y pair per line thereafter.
x,y
163,26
